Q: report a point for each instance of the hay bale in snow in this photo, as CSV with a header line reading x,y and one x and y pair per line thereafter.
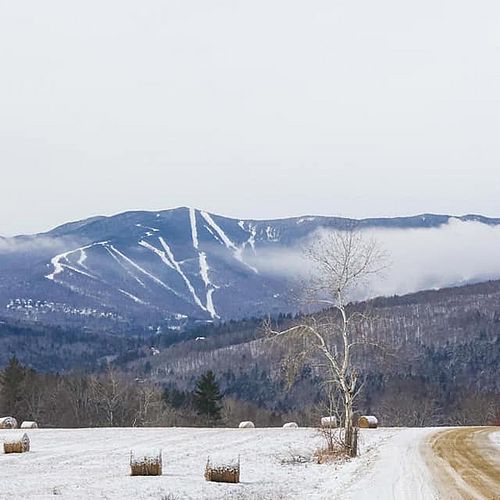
x,y
330,421
291,425
17,443
368,422
228,472
8,423
246,425
27,424
146,464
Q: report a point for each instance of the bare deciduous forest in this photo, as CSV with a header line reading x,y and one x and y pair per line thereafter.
x,y
438,365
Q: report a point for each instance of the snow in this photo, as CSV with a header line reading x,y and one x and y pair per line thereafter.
x,y
202,259
59,266
194,230
160,254
177,267
94,463
140,269
120,263
224,238
131,296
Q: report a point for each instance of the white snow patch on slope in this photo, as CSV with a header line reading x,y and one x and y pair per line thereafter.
x,y
140,269
59,265
177,267
133,297
272,233
161,254
202,260
82,258
238,252
194,229
120,263
252,230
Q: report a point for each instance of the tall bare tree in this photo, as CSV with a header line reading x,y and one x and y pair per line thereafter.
x,y
342,263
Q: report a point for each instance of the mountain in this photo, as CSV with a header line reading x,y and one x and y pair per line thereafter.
x,y
166,268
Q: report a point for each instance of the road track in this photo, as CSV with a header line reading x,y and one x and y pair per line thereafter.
x,y
466,463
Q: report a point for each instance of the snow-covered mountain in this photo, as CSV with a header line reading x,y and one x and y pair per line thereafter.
x,y
149,267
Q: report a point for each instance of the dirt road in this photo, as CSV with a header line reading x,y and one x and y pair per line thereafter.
x,y
466,463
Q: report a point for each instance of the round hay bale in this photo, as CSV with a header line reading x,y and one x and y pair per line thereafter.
x,y
27,424
291,425
330,421
223,472
146,464
8,423
368,422
246,425
17,443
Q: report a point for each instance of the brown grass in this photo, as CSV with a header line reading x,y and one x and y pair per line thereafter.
x,y
326,455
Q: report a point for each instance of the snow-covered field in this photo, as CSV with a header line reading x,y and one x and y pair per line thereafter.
x,y
94,463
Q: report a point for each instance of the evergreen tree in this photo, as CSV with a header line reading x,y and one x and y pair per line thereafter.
x,y
11,392
207,397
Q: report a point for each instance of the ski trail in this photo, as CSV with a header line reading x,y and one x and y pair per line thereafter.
x,y
128,271
252,230
194,230
203,264
162,255
59,265
177,267
133,297
139,268
238,251
83,258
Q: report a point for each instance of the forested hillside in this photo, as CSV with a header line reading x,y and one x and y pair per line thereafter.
x,y
434,359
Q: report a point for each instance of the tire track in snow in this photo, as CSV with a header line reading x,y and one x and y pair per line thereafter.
x,y
466,463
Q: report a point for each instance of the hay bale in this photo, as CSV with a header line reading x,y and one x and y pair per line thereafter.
x,y
27,424
330,421
246,425
291,425
228,472
8,423
17,443
146,464
368,422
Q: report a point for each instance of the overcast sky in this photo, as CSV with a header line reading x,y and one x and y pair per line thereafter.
x,y
262,108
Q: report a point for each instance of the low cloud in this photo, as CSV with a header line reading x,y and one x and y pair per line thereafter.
x,y
37,245
429,258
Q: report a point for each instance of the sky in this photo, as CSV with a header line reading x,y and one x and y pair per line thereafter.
x,y
259,109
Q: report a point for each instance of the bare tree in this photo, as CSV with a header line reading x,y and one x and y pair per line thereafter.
x,y
342,263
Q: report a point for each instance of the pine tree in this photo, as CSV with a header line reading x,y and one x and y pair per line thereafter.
x,y
207,397
11,391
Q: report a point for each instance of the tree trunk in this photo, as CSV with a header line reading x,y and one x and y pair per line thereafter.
x,y
351,434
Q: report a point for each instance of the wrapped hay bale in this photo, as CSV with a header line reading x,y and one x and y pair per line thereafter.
x,y
223,472
8,423
145,464
29,425
368,422
330,421
17,443
246,425
291,425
